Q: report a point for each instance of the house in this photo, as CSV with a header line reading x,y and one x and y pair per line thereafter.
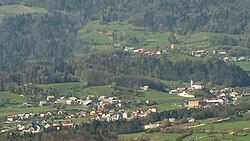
x,y
151,126
196,85
60,101
171,120
93,113
62,123
87,102
154,110
150,102
226,59
125,115
102,98
194,103
144,88
184,94
214,101
10,118
222,52
20,127
79,101
69,102
42,115
27,104
50,98
191,120
173,92
42,103
72,98
47,126
158,52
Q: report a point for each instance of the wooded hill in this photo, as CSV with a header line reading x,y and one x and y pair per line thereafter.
x,y
224,16
40,47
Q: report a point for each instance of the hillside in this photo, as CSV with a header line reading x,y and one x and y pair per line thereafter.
x,y
124,70
21,9
51,41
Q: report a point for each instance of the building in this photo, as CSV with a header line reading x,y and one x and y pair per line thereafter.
x,y
49,98
194,103
196,85
60,101
42,103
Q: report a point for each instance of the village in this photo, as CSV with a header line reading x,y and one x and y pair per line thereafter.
x,y
108,109
100,108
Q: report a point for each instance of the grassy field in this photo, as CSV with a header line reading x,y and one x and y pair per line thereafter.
x,y
4,111
154,136
95,33
165,101
78,89
173,137
12,98
20,9
124,33
228,126
244,65
206,137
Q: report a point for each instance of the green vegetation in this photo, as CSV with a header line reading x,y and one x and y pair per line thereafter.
x,y
244,65
126,34
21,9
165,101
20,110
10,98
153,136
99,90
122,33
206,137
77,89
229,126
64,89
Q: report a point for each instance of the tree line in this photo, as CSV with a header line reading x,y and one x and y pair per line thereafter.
x,y
224,16
215,71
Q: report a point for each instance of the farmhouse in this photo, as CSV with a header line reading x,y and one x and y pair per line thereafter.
x,y
196,85
49,98
194,103
42,103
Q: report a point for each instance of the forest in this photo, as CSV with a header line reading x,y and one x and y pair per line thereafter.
x,y
41,48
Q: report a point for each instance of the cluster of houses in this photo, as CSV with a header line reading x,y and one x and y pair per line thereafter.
x,y
112,109
144,51
113,115
203,53
37,122
219,96
100,108
235,59
200,53
37,127
184,91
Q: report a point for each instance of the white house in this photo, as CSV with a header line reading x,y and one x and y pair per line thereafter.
x,y
196,86
50,98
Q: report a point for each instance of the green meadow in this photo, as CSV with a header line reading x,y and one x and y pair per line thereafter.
x,y
244,65
10,98
21,9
